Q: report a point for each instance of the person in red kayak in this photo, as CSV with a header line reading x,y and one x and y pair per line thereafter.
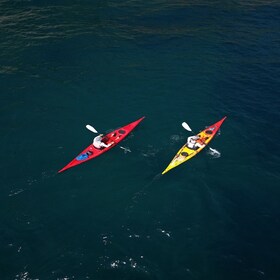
x,y
194,142
98,143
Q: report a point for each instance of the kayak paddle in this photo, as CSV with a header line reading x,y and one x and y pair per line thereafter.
x,y
186,126
91,128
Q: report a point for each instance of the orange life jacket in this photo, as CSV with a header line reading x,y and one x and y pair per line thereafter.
x,y
200,141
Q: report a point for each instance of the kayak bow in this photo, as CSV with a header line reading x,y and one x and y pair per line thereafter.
x,y
186,153
112,138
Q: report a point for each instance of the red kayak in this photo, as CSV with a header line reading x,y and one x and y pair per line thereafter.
x,y
112,138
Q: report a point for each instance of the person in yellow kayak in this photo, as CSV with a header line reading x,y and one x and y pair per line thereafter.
x,y
98,143
195,142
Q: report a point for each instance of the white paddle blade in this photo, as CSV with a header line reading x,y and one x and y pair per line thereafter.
x,y
92,129
186,126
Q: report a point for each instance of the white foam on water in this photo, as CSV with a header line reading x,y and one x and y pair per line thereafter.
x,y
175,138
16,192
128,263
24,276
150,151
125,149
164,232
31,181
106,239
213,153
134,236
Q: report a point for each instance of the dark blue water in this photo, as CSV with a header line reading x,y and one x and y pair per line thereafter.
x,y
65,64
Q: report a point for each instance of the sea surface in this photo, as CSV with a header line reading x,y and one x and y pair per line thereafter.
x,y
66,64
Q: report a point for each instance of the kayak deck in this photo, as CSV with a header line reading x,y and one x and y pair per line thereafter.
x,y
186,153
112,138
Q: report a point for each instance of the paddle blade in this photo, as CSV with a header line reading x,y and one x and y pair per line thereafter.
x,y
186,126
89,127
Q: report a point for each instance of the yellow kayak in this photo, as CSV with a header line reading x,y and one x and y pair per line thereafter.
x,y
186,153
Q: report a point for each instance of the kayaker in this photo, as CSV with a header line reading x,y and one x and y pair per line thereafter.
x,y
194,142
97,142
